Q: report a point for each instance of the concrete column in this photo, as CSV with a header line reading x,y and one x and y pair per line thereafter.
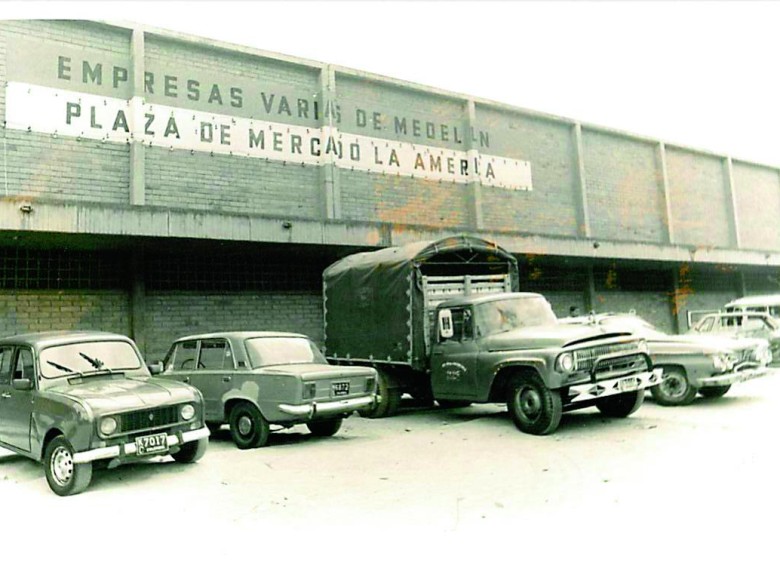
x,y
680,317
329,171
664,177
475,186
138,300
590,291
582,187
137,149
731,196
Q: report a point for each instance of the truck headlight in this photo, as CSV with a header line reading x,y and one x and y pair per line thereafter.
x,y
565,362
187,412
108,426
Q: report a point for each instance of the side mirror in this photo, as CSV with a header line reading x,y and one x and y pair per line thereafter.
x,y
155,368
446,329
22,384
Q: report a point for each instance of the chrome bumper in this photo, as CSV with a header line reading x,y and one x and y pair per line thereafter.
x,y
733,377
130,448
610,387
330,408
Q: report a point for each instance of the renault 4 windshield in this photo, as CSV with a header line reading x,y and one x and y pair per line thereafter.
x,y
88,357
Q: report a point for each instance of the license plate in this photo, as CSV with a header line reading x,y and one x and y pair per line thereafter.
x,y
340,389
156,443
629,384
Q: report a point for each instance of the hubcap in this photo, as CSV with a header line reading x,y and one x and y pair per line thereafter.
x,y
674,385
530,403
62,466
244,425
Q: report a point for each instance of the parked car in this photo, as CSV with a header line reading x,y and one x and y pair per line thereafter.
x,y
766,303
742,324
69,399
707,364
252,380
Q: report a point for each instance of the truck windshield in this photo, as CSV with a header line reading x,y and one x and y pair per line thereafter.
x,y
87,357
265,351
512,313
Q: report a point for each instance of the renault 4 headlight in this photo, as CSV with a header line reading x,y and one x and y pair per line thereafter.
x,y
187,412
108,426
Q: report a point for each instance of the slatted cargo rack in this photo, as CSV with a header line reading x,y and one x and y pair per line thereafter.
x,y
437,289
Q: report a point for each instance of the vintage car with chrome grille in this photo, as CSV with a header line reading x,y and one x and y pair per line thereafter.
x,y
691,363
742,324
253,380
70,399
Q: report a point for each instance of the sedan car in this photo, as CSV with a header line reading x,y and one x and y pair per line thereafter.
x,y
706,364
742,324
69,399
252,380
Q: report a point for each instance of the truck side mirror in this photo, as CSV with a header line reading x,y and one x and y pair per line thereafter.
x,y
446,329
22,384
155,368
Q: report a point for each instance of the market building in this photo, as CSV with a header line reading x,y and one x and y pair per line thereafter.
x,y
157,184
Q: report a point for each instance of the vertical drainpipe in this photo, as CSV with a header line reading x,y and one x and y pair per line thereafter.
x,y
137,190
474,191
663,177
582,185
731,195
329,126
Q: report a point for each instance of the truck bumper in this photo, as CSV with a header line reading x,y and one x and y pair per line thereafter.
x,y
331,408
609,387
733,377
129,449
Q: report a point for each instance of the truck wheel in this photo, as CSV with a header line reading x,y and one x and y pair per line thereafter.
x,y
390,400
191,451
714,391
674,389
325,428
63,475
248,428
621,405
535,409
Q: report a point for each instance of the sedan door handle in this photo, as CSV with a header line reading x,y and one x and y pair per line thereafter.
x,y
226,379
186,379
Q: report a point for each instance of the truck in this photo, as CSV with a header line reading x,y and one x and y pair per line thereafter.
x,y
444,320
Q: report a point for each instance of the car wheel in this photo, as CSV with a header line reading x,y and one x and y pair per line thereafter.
x,y
63,475
621,405
248,428
390,397
535,409
453,403
191,451
714,391
325,428
674,389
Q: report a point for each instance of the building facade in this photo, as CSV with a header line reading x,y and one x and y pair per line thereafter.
x,y
157,184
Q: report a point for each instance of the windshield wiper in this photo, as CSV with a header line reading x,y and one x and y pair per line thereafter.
x,y
64,368
96,363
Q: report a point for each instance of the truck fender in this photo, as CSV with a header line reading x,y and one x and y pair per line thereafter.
x,y
506,370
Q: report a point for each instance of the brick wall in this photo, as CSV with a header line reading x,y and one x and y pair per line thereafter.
x,y
758,206
625,197
552,206
699,201
34,311
173,314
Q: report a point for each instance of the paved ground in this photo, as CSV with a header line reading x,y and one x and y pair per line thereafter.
x,y
699,481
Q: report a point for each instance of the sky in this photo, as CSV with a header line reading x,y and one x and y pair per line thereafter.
x,y
700,74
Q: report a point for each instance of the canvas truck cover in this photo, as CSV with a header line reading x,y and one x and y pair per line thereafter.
x,y
374,304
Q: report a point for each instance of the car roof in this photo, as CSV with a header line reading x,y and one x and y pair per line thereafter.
x,y
483,298
758,300
45,339
240,335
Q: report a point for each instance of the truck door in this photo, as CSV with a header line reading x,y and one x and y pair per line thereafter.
x,y
454,360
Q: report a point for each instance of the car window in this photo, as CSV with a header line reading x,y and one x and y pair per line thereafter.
x,y
463,327
25,368
6,352
267,351
215,354
184,355
705,325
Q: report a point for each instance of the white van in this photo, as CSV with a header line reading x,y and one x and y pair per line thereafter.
x,y
768,304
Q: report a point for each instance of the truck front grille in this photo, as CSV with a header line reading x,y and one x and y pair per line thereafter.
x,y
148,419
586,357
